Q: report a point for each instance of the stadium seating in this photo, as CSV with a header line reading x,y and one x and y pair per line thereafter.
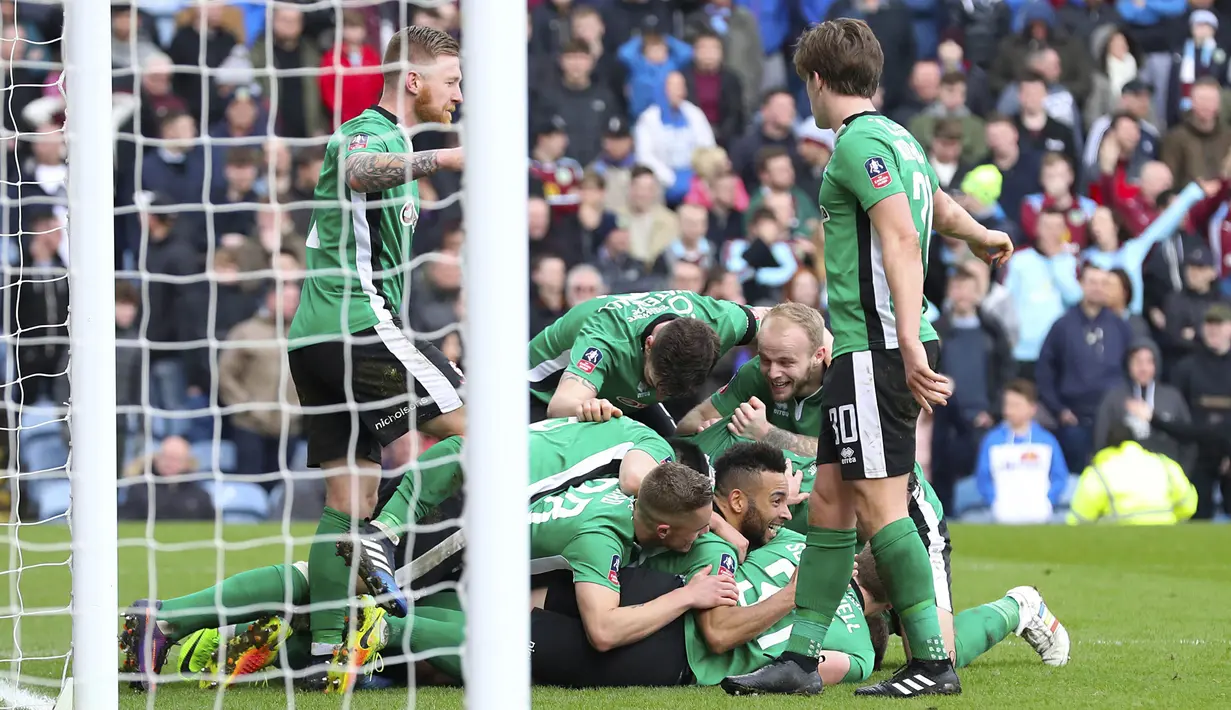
x,y
237,501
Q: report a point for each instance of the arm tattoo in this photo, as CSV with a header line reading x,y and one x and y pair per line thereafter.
x,y
376,172
587,383
798,443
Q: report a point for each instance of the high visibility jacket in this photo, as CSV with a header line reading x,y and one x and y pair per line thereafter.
x,y
1128,485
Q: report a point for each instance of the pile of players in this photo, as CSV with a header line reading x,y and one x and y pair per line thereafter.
x,y
647,570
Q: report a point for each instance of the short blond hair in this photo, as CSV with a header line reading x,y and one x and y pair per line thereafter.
x,y
805,317
417,44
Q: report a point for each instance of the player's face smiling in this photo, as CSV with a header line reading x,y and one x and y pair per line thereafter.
x,y
767,510
439,91
789,363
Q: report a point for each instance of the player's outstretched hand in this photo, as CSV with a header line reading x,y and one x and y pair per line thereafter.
x,y
749,421
996,248
598,410
928,387
711,590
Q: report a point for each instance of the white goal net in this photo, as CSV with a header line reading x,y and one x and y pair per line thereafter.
x,y
221,112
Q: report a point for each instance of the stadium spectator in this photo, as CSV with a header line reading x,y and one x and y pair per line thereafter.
x,y
38,315
1021,472
1018,165
649,58
1210,220
163,496
950,104
715,89
615,163
1042,283
128,372
299,110
584,106
626,18
551,26
668,134
22,84
1118,65
130,46
1057,177
776,176
1040,132
726,219
351,79
686,276
806,289
436,287
1135,147
944,148
243,118
216,304
1121,163
551,168
650,225
1141,383
1081,359
1119,296
763,261
776,128
208,42
1128,485
1197,146
254,381
1199,58
691,247
588,27
307,166
1039,31
1184,311
975,31
177,170
953,59
976,355
156,97
737,29
238,199
981,194
923,91
546,292
621,271
583,283
42,177
815,148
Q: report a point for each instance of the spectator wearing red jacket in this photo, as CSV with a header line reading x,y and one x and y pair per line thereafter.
x,y
1211,220
359,89
1057,179
1136,209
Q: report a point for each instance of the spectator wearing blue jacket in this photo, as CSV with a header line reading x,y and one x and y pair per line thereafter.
x,y
1082,358
1042,283
1107,253
1153,23
649,58
774,19
1021,472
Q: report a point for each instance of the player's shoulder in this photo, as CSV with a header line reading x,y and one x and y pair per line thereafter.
x,y
370,125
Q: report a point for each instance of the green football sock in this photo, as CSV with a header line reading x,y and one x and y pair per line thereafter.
x,y
430,629
977,630
262,589
824,573
329,579
903,563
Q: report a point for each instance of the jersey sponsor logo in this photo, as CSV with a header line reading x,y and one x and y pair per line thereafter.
x,y
726,564
590,360
410,214
627,401
399,414
847,454
877,173
613,574
358,141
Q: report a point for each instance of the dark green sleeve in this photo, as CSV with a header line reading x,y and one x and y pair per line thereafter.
x,y
591,358
595,557
746,383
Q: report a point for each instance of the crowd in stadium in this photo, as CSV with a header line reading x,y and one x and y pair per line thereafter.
x,y
671,147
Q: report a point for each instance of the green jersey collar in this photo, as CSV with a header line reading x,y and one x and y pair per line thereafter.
x,y
851,119
383,112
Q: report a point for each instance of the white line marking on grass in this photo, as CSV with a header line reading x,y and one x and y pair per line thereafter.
x,y
18,698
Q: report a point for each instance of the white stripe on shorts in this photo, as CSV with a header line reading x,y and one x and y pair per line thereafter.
x,y
420,368
936,549
868,417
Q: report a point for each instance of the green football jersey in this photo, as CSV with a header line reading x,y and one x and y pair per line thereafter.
x,y
358,243
602,341
587,529
565,452
798,416
873,158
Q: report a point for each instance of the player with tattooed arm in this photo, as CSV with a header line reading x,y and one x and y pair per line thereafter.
x,y
776,396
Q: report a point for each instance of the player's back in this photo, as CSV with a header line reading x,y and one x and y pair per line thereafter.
x,y
358,244
873,158
565,452
558,520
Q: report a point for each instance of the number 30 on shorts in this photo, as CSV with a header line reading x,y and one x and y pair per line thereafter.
x,y
842,419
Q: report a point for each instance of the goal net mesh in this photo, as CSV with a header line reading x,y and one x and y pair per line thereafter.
x,y
222,112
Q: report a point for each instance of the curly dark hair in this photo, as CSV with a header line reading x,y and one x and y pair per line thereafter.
x,y
743,462
682,356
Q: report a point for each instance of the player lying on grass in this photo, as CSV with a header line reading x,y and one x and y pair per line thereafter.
x,y
563,452
624,354
776,396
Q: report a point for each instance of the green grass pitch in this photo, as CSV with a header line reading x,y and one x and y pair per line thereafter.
x,y
1147,610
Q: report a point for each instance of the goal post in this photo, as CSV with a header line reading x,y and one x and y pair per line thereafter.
x,y
92,406
497,452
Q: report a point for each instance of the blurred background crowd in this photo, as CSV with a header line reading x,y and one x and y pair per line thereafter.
x,y
670,147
